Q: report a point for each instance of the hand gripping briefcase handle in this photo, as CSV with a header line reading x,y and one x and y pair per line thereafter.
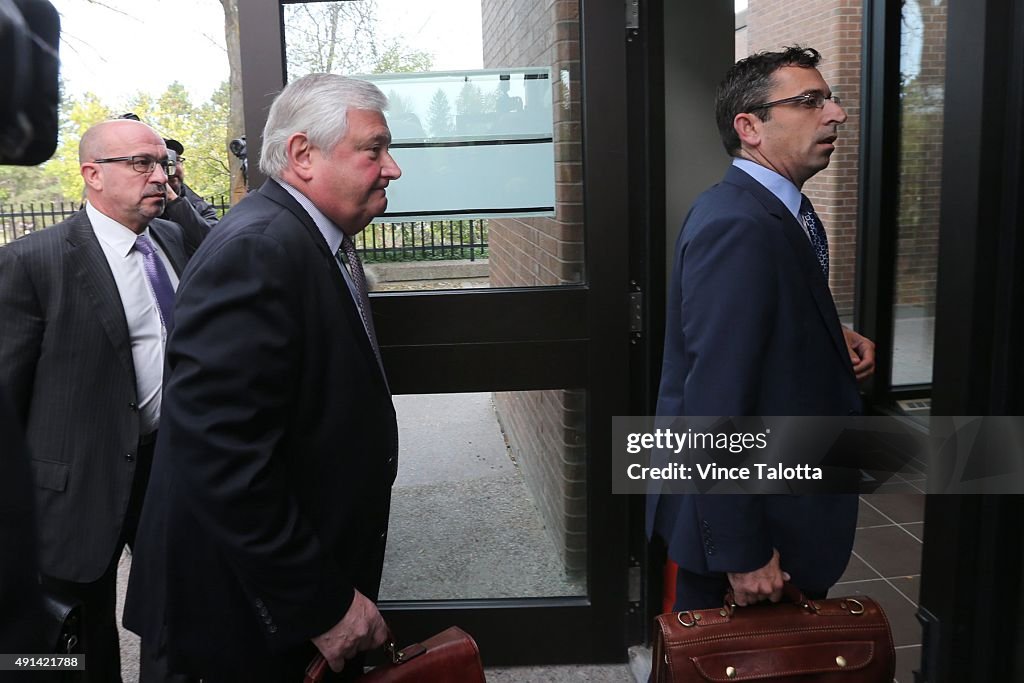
x,y
836,640
451,656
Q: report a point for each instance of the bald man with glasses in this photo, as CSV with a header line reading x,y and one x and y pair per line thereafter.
x,y
86,307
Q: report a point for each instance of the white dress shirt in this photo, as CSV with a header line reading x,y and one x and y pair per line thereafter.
x,y
145,328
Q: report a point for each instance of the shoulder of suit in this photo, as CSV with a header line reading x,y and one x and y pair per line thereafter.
x,y
46,238
163,225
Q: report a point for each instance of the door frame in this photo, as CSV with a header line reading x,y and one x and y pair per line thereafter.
x,y
566,337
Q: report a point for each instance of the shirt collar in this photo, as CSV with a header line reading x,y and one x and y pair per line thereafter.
x,y
331,232
118,237
781,187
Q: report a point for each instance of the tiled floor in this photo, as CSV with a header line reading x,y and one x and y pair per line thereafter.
x,y
886,564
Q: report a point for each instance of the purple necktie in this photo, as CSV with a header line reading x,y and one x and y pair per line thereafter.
x,y
159,282
816,231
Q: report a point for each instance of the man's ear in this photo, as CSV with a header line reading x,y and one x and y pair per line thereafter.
x,y
92,176
749,129
300,155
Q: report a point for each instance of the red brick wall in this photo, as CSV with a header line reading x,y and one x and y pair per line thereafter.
x,y
833,27
545,429
546,433
541,251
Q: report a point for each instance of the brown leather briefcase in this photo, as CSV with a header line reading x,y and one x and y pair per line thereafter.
x,y
451,656
838,640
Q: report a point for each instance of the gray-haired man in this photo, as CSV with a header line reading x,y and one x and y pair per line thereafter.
x,y
265,527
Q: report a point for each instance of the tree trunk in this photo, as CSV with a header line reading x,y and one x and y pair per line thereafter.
x,y
236,118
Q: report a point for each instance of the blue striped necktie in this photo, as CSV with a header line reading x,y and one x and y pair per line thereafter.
x,y
816,231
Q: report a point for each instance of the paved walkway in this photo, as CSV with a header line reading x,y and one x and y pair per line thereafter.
x,y
463,525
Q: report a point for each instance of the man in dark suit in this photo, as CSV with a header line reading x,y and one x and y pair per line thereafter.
x,y
752,330
82,333
265,521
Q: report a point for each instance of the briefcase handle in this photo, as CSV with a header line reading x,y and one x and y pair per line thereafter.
x,y
790,593
317,668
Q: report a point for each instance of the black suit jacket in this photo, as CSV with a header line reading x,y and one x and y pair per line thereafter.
x,y
269,498
66,361
751,329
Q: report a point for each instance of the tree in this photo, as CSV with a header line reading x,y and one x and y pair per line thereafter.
x,y
344,38
439,119
470,100
81,114
236,112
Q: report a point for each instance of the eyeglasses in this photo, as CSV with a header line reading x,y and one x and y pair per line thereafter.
x,y
810,100
141,163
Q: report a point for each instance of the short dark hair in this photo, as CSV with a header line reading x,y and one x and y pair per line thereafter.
x,y
748,83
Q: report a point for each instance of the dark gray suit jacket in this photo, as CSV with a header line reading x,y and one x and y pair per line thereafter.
x,y
66,362
268,504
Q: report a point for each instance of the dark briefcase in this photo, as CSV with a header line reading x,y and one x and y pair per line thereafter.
x,y
451,656
63,623
838,640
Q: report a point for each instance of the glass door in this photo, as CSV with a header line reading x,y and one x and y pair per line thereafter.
x,y
500,291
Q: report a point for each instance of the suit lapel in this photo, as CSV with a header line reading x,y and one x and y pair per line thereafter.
x,y
90,267
172,246
798,242
271,190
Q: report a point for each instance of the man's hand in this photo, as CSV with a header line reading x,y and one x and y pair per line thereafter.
x,y
862,354
749,588
362,628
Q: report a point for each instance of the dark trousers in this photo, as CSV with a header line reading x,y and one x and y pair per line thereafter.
x,y
707,591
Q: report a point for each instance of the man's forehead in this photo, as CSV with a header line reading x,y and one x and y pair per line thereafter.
x,y
131,136
798,79
368,122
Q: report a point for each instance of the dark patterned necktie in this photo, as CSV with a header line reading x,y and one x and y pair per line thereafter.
x,y
347,253
816,231
159,281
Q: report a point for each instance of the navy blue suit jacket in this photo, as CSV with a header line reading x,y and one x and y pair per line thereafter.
x,y
752,329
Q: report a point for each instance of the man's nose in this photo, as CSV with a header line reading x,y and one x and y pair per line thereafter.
x,y
390,169
836,112
159,174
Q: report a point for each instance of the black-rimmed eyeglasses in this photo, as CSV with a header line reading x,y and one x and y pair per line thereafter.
x,y
141,163
814,100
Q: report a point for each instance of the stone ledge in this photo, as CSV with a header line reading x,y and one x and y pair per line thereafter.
x,y
428,270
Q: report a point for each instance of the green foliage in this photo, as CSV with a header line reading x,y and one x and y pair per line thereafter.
x,y
201,128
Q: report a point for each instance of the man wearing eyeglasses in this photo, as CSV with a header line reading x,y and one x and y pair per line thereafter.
x,y
752,330
86,307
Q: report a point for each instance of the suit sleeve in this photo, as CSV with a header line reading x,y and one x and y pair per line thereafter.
x,y
194,228
22,326
231,359
728,290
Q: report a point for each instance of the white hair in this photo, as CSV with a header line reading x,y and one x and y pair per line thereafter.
x,y
316,105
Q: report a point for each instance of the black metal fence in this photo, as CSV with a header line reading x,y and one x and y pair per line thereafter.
x,y
423,241
379,242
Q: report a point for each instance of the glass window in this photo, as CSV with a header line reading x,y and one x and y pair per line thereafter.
x,y
922,93
485,116
490,498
